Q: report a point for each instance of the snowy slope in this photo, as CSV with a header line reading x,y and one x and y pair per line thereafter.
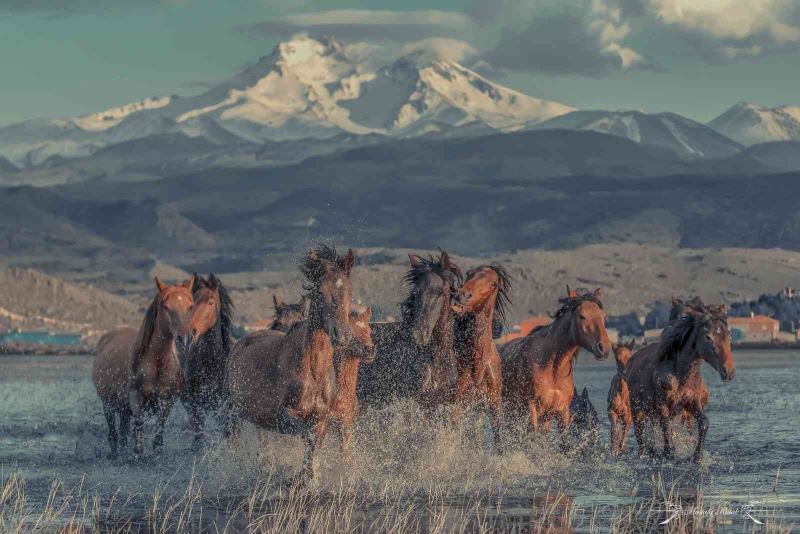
x,y
686,138
306,88
750,124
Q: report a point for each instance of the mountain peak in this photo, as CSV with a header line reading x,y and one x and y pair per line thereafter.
x,y
752,124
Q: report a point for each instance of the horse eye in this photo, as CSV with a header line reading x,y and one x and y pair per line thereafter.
x,y
582,317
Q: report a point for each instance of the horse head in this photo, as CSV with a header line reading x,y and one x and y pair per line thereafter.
x,y
330,291
432,283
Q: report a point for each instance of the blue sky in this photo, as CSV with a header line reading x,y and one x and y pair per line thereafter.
x,y
69,57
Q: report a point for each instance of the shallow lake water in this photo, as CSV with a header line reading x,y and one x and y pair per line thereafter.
x,y
51,428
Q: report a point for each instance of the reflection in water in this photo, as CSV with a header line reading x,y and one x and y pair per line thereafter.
x,y
405,473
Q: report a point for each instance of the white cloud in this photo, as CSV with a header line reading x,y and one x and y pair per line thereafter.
x,y
729,29
563,37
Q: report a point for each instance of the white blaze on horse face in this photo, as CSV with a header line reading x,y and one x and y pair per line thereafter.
x,y
339,283
360,324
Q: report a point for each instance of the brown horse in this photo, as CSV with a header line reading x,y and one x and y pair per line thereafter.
x,y
204,368
619,399
286,382
346,363
483,296
414,358
665,379
137,372
537,369
287,315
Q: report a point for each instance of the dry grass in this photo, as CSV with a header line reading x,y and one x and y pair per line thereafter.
x,y
270,506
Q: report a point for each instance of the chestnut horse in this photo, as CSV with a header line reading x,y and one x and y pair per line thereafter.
x,y
619,399
414,358
537,369
346,363
286,382
287,315
665,380
137,372
205,366
483,296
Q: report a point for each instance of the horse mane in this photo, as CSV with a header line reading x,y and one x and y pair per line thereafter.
x,y
568,304
312,266
227,309
503,300
146,331
678,331
452,274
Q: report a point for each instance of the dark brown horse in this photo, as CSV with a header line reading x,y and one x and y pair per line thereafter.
x,y
537,369
286,382
204,368
287,315
619,399
414,358
137,372
347,362
483,296
665,380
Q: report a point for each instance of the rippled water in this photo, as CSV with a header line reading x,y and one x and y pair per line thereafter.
x,y
51,426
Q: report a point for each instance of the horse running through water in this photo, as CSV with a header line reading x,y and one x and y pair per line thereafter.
x,y
414,358
584,428
619,399
141,371
538,368
205,365
665,380
287,315
347,361
483,296
286,382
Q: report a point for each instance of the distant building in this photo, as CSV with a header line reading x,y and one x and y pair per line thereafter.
x,y
754,329
788,293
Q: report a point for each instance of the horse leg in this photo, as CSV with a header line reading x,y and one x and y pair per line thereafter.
x,y
627,421
533,416
196,423
563,420
666,430
312,439
136,403
164,407
702,430
111,419
124,427
496,413
638,428
614,422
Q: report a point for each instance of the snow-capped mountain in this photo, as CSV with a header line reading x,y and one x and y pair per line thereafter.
x,y
750,124
686,138
307,88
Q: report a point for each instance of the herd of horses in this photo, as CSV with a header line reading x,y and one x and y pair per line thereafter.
x,y
320,363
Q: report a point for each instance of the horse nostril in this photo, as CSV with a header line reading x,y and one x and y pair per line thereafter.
x,y
194,332
600,348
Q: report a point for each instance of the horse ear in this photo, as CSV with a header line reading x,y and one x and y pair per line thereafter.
x,y
366,315
161,286
415,260
348,261
585,394
276,302
213,281
189,284
570,292
444,259
598,293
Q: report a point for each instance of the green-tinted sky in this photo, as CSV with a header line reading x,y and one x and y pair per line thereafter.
x,y
82,56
